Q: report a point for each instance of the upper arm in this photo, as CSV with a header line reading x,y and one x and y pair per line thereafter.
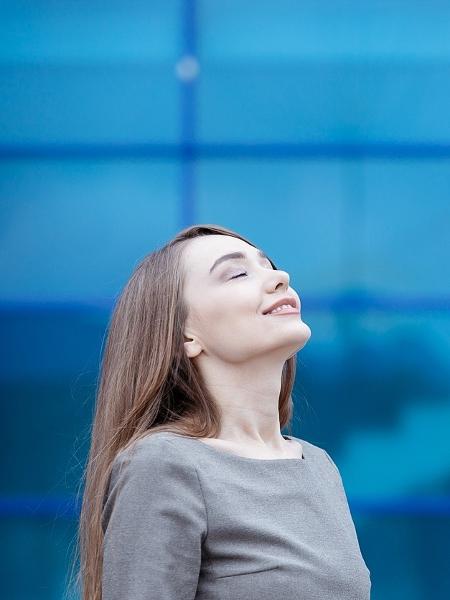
x,y
155,526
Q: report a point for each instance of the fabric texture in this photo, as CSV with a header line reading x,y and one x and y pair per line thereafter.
x,y
184,520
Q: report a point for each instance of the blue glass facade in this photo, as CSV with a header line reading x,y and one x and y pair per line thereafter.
x,y
320,131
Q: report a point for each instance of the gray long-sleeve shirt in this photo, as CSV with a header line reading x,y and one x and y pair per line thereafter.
x,y
184,520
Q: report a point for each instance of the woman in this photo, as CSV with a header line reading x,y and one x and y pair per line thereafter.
x,y
191,489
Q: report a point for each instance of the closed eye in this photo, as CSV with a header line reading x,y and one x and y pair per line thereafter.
x,y
238,275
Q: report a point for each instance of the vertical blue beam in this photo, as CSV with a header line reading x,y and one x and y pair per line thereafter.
x,y
187,73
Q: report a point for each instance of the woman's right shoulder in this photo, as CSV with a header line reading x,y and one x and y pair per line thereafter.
x,y
151,445
147,472
152,457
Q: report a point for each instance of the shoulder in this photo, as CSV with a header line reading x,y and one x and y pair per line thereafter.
x,y
152,479
152,444
318,453
153,457
311,448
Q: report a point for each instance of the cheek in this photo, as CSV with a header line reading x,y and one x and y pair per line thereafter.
x,y
231,316
229,321
236,327
233,337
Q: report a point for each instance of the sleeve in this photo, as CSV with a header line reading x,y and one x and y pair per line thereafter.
x,y
154,524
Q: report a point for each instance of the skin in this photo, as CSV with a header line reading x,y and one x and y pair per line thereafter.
x,y
239,351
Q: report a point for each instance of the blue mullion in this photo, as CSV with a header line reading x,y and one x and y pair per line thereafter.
x,y
188,104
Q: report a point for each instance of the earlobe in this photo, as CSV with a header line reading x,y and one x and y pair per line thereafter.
x,y
191,347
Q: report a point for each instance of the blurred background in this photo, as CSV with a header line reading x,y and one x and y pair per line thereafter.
x,y
320,130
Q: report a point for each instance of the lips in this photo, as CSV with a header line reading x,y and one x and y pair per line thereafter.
x,y
287,300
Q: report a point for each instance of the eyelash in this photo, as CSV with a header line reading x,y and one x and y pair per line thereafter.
x,y
238,275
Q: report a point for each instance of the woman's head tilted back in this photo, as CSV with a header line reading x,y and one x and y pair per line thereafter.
x,y
226,297
178,324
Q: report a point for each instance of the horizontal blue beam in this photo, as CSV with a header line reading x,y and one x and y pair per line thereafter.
x,y
345,302
35,505
410,505
186,151
67,507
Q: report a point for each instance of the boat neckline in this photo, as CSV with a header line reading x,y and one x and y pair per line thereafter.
x,y
232,455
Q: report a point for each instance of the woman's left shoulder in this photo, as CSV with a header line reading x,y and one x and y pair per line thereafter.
x,y
317,452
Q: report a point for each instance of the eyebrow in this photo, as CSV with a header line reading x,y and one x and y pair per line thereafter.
x,y
232,255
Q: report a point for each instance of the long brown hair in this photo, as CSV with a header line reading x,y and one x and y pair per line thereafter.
x,y
146,384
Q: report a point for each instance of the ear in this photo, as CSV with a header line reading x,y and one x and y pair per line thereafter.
x,y
191,347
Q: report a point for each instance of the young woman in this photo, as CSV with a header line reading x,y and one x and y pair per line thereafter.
x,y
192,491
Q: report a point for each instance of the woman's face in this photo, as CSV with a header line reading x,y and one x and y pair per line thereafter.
x,y
226,303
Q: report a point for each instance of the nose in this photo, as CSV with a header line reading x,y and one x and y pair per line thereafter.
x,y
282,279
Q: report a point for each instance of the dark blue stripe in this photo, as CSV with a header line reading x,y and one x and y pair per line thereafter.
x,y
66,507
188,149
352,303
416,506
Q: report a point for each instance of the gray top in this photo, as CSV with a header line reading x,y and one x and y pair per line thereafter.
x,y
185,520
